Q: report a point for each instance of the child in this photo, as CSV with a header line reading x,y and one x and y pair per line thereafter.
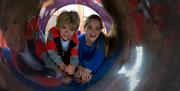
x,y
93,48
62,43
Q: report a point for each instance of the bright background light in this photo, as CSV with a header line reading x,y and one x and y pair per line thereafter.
x,y
132,74
83,11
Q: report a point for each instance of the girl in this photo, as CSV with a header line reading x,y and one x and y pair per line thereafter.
x,y
93,48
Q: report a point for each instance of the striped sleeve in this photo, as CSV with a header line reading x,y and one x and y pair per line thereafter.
x,y
74,55
51,47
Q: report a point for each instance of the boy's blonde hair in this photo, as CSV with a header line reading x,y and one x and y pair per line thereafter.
x,y
69,17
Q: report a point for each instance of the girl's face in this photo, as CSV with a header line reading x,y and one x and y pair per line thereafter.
x,y
93,30
66,32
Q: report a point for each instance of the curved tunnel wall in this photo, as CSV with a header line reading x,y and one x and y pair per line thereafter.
x,y
158,70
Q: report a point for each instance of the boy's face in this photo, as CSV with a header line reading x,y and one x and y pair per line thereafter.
x,y
66,32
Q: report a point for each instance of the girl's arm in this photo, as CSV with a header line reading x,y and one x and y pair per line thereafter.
x,y
97,59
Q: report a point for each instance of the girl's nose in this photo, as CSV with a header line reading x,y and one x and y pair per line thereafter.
x,y
91,31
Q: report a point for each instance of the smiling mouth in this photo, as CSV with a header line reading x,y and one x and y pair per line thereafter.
x,y
66,35
93,36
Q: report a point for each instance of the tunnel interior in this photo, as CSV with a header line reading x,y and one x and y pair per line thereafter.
x,y
143,54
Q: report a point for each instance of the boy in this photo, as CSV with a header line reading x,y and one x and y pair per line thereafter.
x,y
62,43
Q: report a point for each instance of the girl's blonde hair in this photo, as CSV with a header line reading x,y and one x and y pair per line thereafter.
x,y
102,35
106,42
69,17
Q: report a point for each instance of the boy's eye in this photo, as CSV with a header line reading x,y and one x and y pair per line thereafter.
x,y
63,27
72,30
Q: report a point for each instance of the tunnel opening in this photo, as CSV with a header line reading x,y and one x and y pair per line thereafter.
x,y
39,81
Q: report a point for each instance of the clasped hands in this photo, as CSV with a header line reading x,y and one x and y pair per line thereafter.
x,y
69,69
82,75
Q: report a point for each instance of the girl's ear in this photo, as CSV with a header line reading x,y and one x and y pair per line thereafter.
x,y
84,29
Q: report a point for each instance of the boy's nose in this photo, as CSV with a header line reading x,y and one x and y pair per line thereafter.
x,y
67,31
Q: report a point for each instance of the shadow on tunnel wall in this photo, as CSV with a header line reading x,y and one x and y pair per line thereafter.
x,y
159,69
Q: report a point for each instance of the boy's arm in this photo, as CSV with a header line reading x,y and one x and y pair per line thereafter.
x,y
51,49
74,60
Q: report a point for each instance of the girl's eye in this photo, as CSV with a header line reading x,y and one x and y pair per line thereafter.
x,y
97,28
89,27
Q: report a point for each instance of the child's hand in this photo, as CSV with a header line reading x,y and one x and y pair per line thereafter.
x,y
70,69
63,66
78,74
83,75
86,76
